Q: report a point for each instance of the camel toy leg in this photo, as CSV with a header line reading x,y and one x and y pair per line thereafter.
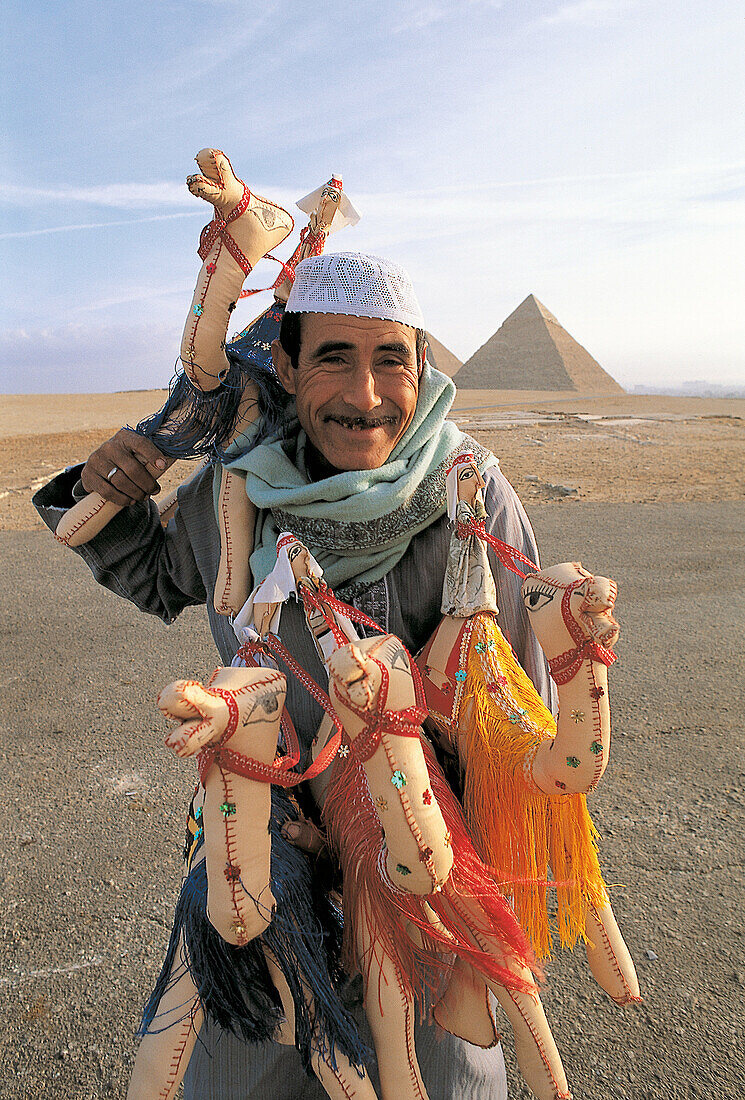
x,y
339,1078
535,1048
464,1010
241,709
389,1008
366,679
166,1045
609,957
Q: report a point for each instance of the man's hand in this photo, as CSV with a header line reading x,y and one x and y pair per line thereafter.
x,y
124,469
304,835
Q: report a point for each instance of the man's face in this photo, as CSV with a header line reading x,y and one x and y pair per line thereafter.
x,y
356,386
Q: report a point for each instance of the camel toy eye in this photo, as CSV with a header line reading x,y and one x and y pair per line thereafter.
x,y
270,704
537,598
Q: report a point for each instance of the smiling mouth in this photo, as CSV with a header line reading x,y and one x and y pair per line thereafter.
x,y
361,423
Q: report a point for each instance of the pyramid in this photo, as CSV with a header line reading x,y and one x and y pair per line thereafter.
x,y
440,358
531,351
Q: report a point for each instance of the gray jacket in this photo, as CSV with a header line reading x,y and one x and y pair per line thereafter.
x,y
164,571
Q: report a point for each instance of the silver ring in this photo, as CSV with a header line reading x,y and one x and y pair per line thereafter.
x,y
111,472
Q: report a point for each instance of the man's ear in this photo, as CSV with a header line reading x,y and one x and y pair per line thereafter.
x,y
284,368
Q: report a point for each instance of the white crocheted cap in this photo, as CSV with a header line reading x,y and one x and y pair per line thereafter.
x,y
355,285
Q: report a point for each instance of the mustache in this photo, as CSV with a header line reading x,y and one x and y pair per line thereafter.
x,y
360,421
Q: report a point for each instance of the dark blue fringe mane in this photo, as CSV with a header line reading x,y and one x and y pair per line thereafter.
x,y
234,984
196,424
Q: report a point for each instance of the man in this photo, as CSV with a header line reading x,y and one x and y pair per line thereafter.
x,y
358,474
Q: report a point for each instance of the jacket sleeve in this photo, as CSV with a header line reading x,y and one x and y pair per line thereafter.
x,y
507,521
133,556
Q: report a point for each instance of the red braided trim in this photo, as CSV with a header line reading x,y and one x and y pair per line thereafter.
x,y
287,272
218,228
566,666
228,698
236,762
404,723
329,751
327,597
310,596
508,555
330,600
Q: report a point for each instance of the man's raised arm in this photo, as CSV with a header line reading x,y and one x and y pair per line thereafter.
x,y
134,556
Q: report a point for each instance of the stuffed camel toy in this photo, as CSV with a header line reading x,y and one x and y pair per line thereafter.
x,y
224,387
416,895
511,752
415,892
247,948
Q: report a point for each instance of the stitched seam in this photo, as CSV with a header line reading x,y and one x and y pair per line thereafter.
x,y
484,946
202,299
408,1031
340,1080
539,1045
227,544
597,726
81,522
608,945
166,1092
230,842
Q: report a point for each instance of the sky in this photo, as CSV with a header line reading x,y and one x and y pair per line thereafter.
x,y
590,152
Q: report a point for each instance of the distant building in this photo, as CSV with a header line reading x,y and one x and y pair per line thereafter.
x,y
531,351
441,358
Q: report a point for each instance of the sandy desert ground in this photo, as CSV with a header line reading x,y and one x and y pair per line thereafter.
x,y
650,491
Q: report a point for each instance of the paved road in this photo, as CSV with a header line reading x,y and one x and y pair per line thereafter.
x,y
93,806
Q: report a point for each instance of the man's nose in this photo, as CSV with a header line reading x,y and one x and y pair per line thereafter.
x,y
360,390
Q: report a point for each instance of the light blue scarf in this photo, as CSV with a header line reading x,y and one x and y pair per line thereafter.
x,y
358,523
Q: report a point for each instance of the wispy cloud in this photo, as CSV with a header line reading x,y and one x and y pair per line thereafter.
x,y
77,358
586,13
92,225
417,15
628,205
125,196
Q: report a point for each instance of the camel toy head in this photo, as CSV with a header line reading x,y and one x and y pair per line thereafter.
x,y
328,207
464,482
567,605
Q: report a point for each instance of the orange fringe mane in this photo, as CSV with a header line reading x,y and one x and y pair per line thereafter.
x,y
519,831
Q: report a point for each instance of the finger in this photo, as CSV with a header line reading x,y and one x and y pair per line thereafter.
x,y
142,448
133,460
304,835
137,463
94,483
137,484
